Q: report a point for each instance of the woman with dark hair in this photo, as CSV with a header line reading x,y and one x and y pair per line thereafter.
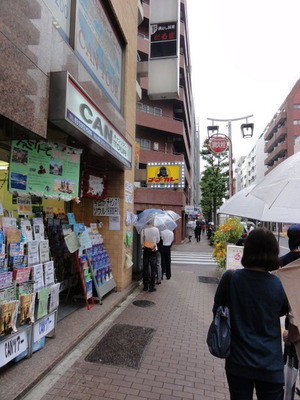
x,y
256,300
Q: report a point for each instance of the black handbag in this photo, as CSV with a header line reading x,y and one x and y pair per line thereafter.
x,y
219,333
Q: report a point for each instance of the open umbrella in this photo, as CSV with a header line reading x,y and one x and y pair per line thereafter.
x,y
173,215
281,186
245,204
158,218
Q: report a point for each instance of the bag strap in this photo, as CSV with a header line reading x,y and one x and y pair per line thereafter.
x,y
225,287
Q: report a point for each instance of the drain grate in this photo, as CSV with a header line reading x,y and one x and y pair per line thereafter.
x,y
208,279
143,303
122,345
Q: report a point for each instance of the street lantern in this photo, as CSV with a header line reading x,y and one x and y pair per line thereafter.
x,y
247,130
213,129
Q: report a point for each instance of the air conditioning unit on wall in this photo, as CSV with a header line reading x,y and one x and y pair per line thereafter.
x,y
155,146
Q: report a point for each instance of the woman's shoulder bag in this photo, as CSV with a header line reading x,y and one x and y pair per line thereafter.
x,y
219,333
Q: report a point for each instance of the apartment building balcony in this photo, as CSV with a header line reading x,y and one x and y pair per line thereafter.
x,y
159,123
278,137
277,120
147,156
278,152
142,43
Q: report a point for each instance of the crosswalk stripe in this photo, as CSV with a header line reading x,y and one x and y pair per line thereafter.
x,y
180,257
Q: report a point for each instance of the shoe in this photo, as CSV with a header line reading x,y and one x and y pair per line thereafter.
x,y
158,283
145,289
152,289
169,278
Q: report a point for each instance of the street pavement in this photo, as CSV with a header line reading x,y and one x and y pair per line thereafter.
x,y
175,365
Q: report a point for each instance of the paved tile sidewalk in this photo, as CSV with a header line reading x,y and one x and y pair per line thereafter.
x,y
176,364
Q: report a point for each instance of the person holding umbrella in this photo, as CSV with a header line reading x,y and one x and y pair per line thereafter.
x,y
149,238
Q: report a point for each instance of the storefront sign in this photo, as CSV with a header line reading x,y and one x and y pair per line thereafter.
x,y
44,169
43,327
165,174
12,347
98,48
82,113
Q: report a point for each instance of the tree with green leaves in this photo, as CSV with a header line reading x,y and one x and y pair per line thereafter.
x,y
214,182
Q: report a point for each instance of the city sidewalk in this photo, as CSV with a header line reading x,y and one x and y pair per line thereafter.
x,y
176,363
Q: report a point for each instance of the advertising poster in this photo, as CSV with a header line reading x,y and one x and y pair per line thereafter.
x,y
165,175
44,169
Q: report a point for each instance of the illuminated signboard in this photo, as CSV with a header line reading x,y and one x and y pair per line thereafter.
x,y
163,40
165,175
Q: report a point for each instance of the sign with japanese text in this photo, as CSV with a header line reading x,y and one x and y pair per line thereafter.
x,y
165,175
85,116
44,169
13,346
107,208
98,48
163,40
234,256
43,327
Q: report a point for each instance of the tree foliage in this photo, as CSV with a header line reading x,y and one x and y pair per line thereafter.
x,y
214,181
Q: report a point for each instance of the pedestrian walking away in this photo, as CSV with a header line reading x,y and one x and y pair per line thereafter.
x,y
167,237
256,301
198,232
149,239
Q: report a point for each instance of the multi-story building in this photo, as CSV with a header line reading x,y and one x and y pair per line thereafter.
x,y
250,169
283,131
166,132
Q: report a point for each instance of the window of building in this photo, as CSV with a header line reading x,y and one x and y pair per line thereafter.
x,y
296,105
149,109
296,122
145,144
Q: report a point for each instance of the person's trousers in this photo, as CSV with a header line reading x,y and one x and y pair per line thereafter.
x,y
149,258
167,261
159,268
243,388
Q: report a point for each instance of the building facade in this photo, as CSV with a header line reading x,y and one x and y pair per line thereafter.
x,y
68,76
282,133
166,132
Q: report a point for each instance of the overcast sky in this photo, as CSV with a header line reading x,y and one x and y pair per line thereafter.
x,y
245,60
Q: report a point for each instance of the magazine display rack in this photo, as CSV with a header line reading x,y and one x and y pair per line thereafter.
x,y
101,270
29,296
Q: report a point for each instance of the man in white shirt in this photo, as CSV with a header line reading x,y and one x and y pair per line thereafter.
x,y
167,237
149,235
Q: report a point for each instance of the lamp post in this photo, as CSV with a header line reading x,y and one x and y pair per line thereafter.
x,y
247,131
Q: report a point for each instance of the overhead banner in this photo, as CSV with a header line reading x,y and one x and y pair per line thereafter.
x,y
165,174
44,169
